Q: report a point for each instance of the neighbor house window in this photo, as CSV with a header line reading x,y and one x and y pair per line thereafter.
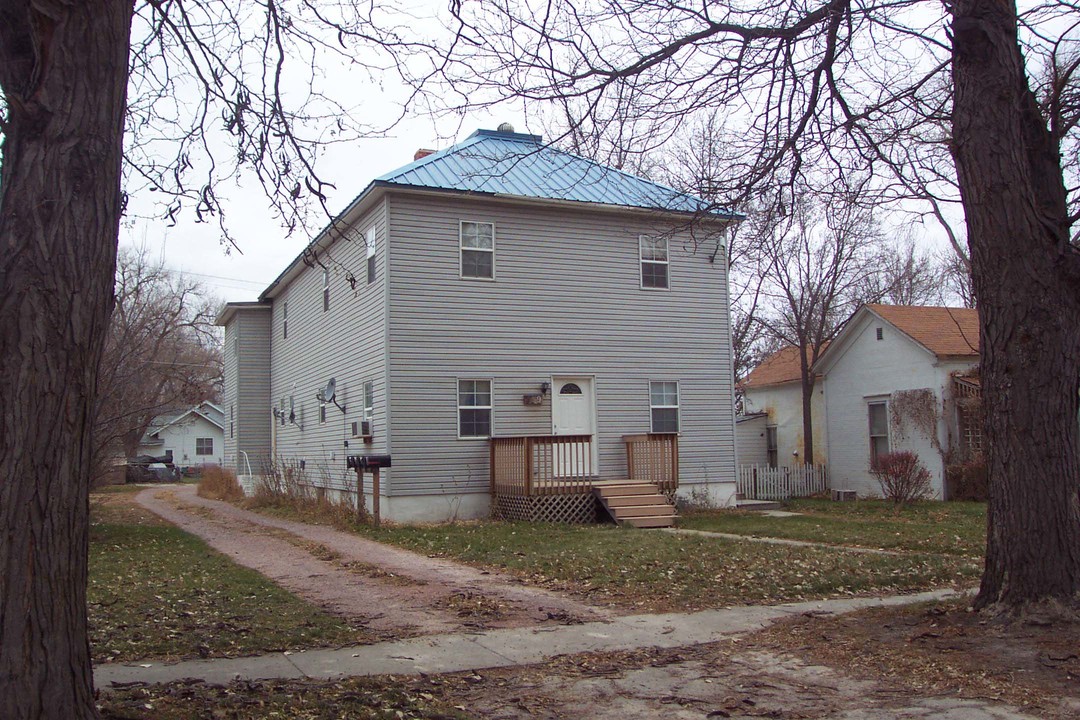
x,y
232,421
654,261
285,320
771,445
474,408
477,249
879,430
371,259
168,455
204,446
326,289
664,406
369,400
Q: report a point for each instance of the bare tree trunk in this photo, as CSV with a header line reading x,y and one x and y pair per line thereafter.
x,y
1027,281
807,378
63,72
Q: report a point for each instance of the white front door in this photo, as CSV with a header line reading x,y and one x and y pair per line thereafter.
x,y
573,412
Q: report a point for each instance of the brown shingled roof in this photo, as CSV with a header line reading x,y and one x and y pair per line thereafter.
x,y
946,332
780,367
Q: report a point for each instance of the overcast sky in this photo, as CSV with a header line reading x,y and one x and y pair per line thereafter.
x,y
196,249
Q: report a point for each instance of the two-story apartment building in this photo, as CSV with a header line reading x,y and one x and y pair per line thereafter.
x,y
503,319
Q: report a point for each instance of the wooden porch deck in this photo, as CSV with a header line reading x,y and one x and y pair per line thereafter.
x,y
552,477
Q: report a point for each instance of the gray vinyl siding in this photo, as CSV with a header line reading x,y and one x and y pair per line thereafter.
x,y
346,343
247,388
566,301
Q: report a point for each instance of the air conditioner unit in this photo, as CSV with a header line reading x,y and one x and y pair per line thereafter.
x,y
362,429
843,496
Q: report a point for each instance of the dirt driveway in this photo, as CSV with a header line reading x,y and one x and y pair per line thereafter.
x,y
394,591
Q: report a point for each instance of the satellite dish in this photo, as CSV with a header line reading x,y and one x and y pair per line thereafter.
x,y
328,392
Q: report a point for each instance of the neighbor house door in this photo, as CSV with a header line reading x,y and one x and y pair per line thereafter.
x,y
573,412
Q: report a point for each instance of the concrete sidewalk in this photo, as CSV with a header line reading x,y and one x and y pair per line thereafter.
x,y
494,648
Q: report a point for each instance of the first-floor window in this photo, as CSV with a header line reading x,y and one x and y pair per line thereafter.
x,y
771,445
664,405
474,408
204,446
168,455
369,400
879,430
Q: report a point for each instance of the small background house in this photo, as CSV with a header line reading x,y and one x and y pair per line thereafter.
x,y
891,381
191,438
774,389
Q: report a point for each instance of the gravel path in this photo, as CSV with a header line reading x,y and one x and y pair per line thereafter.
x,y
387,588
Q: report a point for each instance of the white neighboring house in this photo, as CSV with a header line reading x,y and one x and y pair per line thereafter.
x,y
191,438
774,388
888,358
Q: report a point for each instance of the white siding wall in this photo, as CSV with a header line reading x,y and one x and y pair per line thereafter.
x,y
247,388
871,370
566,300
346,343
750,441
783,404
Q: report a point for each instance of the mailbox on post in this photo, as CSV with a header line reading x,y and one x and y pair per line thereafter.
x,y
362,464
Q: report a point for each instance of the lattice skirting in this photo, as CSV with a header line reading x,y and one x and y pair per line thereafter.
x,y
545,508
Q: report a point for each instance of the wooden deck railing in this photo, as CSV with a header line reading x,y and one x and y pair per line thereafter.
x,y
654,457
528,465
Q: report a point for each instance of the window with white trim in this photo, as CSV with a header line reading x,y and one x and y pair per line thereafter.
x,y
285,320
654,261
326,289
232,421
474,408
477,250
370,257
878,416
204,446
664,406
322,411
369,400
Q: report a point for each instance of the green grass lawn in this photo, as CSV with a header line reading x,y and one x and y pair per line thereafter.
x,y
948,528
649,570
658,571
158,592
385,698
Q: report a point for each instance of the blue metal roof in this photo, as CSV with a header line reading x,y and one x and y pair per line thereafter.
x,y
516,164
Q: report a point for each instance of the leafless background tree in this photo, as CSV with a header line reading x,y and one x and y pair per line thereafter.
x,y
162,353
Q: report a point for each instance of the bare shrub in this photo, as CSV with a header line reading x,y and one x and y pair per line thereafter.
x,y
284,485
217,483
902,478
968,480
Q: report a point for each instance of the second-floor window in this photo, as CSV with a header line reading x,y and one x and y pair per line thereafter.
x,y
326,289
371,258
654,261
477,249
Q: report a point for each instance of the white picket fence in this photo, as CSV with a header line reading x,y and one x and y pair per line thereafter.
x,y
758,482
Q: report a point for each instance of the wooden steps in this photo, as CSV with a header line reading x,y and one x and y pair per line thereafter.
x,y
639,504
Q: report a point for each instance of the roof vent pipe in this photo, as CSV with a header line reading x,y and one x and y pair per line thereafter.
x,y
506,127
422,153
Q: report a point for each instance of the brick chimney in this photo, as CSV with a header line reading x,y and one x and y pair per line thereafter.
x,y
422,153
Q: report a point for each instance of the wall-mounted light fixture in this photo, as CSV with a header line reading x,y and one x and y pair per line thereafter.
x,y
544,387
